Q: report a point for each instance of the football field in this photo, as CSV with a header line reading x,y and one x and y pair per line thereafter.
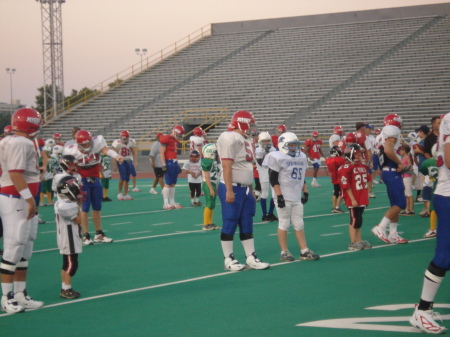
x,y
163,276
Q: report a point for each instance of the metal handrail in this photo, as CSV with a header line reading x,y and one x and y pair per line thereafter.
x,y
128,73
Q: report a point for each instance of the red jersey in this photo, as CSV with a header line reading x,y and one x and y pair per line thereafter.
x,y
275,141
313,148
360,138
171,145
333,164
355,177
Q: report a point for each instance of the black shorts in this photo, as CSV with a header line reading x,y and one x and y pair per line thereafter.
x,y
158,172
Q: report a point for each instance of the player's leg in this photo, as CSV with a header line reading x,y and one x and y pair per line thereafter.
x,y
299,230
284,222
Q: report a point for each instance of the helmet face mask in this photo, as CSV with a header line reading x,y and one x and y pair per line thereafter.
x,y
68,163
69,187
289,144
353,153
336,151
264,140
84,141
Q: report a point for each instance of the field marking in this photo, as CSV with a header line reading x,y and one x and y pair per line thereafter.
x,y
331,234
120,223
48,232
346,224
193,279
162,223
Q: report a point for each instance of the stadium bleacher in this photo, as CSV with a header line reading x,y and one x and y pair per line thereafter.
x,y
309,78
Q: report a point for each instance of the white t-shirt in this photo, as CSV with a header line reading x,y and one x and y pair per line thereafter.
x,y
291,173
124,149
370,143
154,152
263,171
443,184
17,153
391,131
193,167
233,146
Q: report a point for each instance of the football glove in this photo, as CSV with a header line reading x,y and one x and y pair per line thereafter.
x,y
280,201
164,168
257,195
304,199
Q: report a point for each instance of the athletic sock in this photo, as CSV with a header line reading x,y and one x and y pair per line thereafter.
x,y
19,286
172,195
165,193
393,228
207,216
227,248
384,223
7,287
263,203
249,246
433,220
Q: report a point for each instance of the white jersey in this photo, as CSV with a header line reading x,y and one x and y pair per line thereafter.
x,y
391,131
231,145
68,232
193,167
291,173
17,153
87,160
443,184
70,142
370,143
59,176
377,144
124,149
333,139
195,142
263,171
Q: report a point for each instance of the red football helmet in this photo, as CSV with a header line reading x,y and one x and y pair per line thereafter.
x,y
159,134
198,131
84,140
26,120
244,121
8,130
350,138
314,134
57,137
124,136
393,119
338,130
281,129
377,132
353,153
178,132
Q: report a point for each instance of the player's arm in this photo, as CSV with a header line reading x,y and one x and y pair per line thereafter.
x,y
207,175
273,179
113,154
228,178
390,152
351,196
134,154
44,161
19,182
322,154
152,161
447,154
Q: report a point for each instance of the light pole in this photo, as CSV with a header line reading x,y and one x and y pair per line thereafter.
x,y
10,71
141,53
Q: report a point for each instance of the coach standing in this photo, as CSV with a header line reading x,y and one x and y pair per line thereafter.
x,y
19,184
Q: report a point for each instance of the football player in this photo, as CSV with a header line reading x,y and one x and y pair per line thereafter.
x,y
19,185
264,148
354,177
279,131
235,149
211,171
313,150
126,147
287,168
170,166
58,139
196,141
423,317
155,162
333,163
87,153
338,131
193,169
392,176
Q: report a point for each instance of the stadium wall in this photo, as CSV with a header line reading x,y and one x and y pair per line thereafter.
x,y
332,18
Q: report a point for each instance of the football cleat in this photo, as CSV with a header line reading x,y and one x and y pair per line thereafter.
x,y
199,203
168,207
69,294
26,301
397,239
272,217
339,210
367,244
430,234
309,255
40,221
153,191
135,189
232,264
380,233
194,204
265,218
254,263
10,304
128,197
176,206
120,196
87,240
424,321
286,256
371,195
100,237
358,245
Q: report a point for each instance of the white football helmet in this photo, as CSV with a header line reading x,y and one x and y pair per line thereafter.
x,y
263,138
412,136
289,144
50,142
209,151
47,149
57,150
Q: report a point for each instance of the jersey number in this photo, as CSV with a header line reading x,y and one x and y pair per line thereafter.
x,y
361,181
296,173
125,152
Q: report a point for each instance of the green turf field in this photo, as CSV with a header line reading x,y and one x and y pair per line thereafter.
x,y
164,276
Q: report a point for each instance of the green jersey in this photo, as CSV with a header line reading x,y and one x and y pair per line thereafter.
x,y
211,166
429,168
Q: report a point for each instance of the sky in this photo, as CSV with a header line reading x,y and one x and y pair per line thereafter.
x,y
100,36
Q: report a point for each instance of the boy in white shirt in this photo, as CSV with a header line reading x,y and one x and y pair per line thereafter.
x,y
193,168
